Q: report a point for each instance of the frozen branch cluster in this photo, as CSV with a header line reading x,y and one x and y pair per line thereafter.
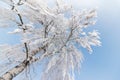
x,y
54,33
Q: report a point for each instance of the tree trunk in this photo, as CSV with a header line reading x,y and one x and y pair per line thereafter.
x,y
9,75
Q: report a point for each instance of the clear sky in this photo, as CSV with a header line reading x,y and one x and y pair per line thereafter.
x,y
104,63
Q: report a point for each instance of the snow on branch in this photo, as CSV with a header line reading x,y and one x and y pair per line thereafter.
x,y
48,33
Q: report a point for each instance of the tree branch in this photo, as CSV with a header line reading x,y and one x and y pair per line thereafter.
x,y
9,75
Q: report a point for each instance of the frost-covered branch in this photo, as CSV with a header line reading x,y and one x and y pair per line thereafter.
x,y
54,33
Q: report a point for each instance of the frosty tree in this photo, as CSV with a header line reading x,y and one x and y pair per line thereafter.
x,y
50,34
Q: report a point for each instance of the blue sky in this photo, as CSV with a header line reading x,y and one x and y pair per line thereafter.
x,y
104,63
